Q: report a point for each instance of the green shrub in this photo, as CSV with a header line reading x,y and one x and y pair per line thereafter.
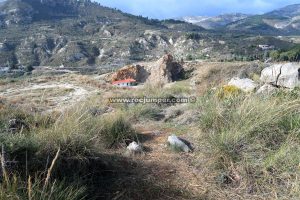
x,y
228,91
291,55
189,57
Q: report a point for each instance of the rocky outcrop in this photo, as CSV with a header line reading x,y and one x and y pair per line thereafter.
x,y
282,75
165,70
246,84
136,72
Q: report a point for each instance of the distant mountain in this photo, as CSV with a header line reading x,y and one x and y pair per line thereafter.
x,y
215,22
82,33
282,21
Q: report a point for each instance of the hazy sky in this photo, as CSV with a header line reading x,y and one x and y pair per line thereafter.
x,y
178,8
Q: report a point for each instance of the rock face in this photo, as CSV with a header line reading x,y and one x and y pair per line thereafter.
x,y
282,75
135,72
177,143
246,85
165,70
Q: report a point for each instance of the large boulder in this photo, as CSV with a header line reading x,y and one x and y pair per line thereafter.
x,y
246,84
165,70
282,75
136,72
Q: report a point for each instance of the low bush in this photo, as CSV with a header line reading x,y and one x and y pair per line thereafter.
x,y
116,130
81,138
228,91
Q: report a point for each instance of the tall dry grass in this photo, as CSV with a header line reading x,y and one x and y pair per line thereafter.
x,y
253,143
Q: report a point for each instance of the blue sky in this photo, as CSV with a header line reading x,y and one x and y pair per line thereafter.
x,y
162,9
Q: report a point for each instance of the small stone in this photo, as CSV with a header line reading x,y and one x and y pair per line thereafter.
x,y
179,144
134,148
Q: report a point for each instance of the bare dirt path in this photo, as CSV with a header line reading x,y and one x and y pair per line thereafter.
x,y
174,168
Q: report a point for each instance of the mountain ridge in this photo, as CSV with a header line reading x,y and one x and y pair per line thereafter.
x,y
285,20
215,22
40,33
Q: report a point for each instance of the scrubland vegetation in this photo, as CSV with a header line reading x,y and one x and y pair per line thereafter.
x,y
247,144
254,143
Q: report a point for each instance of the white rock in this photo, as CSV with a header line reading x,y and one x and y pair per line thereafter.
x,y
266,89
246,84
134,148
177,143
284,75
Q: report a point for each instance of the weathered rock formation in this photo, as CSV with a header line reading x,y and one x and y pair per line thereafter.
x,y
165,70
135,72
282,75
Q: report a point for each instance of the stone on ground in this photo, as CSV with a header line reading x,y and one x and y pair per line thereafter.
x,y
267,89
246,84
134,148
177,143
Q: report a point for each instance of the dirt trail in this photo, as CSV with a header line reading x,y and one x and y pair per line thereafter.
x,y
173,168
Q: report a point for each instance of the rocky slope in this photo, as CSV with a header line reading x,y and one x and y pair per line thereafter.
x,y
282,21
80,33
215,22
278,22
